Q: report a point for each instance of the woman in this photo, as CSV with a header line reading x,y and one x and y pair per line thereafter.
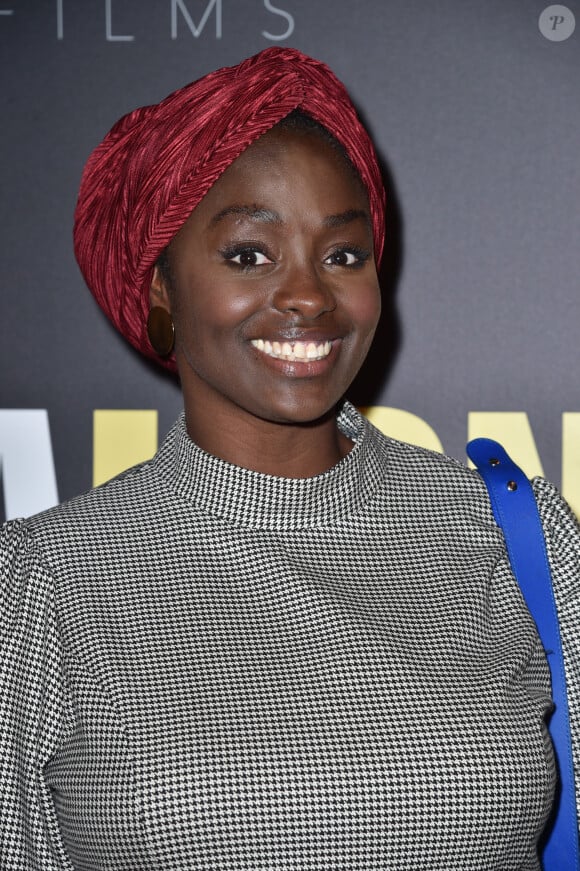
x,y
286,641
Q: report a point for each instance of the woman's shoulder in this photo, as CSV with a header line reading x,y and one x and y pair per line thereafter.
x,y
424,460
25,578
562,534
77,530
406,462
429,474
124,499
450,478
117,498
554,510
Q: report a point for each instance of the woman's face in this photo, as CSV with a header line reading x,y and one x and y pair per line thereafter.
x,y
274,292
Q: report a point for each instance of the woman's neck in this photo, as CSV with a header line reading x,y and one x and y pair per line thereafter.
x,y
288,450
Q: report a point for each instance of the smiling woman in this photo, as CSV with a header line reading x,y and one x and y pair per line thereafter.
x,y
273,290
287,641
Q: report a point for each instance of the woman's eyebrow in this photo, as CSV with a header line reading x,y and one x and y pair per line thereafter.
x,y
257,213
343,218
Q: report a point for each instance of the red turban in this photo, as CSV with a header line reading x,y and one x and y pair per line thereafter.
x,y
156,164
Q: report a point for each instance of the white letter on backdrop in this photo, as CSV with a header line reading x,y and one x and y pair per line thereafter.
x,y
26,462
59,20
289,18
109,25
175,4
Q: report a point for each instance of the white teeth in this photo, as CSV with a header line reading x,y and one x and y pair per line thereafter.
x,y
293,351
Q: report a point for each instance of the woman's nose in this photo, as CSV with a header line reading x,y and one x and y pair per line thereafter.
x,y
305,291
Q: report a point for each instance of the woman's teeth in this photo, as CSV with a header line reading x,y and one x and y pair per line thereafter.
x,y
293,351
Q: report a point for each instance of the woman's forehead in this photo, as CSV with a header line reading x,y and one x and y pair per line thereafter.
x,y
282,160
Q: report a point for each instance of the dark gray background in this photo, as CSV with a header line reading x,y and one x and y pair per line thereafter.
x,y
477,118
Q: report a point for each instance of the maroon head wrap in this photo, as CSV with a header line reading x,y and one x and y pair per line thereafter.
x,y
156,164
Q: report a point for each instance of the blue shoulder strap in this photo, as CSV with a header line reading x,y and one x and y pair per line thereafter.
x,y
515,510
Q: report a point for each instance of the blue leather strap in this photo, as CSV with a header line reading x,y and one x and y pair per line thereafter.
x,y
515,510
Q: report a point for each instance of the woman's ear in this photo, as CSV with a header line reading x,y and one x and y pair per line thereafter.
x,y
159,291
160,327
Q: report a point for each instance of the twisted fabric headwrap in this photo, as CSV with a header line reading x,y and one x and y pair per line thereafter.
x,y
156,164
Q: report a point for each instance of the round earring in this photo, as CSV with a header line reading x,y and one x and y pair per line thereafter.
x,y
161,331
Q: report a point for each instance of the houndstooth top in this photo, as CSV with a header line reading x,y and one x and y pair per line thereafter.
x,y
204,667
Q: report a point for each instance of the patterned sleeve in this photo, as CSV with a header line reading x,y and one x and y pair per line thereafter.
x,y
562,533
34,706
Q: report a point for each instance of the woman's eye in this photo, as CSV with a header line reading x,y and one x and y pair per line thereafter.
x,y
347,257
249,257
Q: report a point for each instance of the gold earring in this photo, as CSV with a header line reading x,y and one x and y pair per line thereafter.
x,y
161,331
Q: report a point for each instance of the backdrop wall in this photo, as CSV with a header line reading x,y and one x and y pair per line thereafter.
x,y
475,110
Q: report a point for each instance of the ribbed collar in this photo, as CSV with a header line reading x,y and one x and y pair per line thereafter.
x,y
254,500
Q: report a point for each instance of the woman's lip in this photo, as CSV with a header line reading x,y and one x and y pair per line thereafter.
x,y
298,367
294,351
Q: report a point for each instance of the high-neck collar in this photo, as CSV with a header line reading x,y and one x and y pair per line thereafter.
x,y
255,500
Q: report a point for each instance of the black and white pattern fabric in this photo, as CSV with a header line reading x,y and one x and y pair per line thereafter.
x,y
204,667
